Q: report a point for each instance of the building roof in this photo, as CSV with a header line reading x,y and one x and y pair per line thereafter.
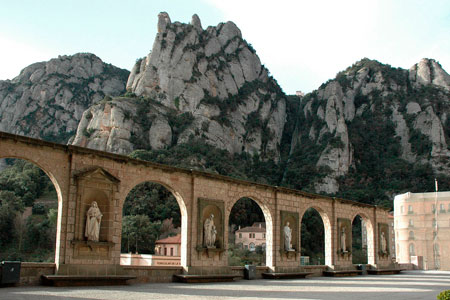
x,y
170,240
252,229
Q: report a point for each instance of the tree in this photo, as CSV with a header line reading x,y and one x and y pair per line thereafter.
x,y
139,234
10,206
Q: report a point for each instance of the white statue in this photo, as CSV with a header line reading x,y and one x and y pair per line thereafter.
x,y
343,240
209,232
287,237
93,220
383,243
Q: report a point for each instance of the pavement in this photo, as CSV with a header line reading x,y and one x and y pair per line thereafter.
x,y
407,285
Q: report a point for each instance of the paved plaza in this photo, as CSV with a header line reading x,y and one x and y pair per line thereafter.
x,y
408,285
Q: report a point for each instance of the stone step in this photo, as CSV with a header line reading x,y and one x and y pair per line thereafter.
x,y
384,271
205,278
342,273
293,275
80,280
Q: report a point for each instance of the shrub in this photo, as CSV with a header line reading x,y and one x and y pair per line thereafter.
x,y
38,209
444,295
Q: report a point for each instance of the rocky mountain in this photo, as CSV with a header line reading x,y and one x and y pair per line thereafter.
x,y
201,99
195,83
373,120
48,99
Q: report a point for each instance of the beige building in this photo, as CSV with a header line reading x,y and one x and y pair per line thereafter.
x,y
167,253
252,236
422,229
169,246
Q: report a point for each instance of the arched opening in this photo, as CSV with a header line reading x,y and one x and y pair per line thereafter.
x,y
28,212
152,227
359,241
366,234
247,234
312,238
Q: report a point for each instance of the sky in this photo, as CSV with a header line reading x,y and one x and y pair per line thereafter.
x,y
302,43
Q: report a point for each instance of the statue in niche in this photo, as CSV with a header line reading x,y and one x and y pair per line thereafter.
x,y
383,243
287,237
210,232
343,240
93,220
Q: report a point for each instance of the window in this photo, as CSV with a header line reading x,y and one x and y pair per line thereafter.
x,y
411,223
171,251
251,235
412,251
441,208
433,208
251,247
401,209
165,251
245,247
264,235
240,235
410,209
411,235
434,222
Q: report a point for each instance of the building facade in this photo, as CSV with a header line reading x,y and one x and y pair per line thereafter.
x,y
422,229
252,236
169,246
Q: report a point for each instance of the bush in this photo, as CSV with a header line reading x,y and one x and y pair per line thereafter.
x,y
444,295
38,209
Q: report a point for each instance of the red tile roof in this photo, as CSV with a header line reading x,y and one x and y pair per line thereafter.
x,y
252,229
170,240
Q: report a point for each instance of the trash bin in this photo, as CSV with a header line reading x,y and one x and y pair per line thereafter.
x,y
250,272
10,272
363,269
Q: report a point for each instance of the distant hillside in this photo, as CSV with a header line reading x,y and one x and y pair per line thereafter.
x,y
374,131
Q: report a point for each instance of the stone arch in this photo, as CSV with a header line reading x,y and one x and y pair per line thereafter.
x,y
181,204
327,231
57,183
370,234
267,217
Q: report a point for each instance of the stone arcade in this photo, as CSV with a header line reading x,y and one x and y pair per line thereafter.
x,y
82,176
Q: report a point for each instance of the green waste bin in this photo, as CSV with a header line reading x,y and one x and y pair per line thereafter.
x,y
10,272
250,272
363,269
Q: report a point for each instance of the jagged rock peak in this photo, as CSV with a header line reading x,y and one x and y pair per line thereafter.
x,y
429,71
196,22
163,21
188,63
213,77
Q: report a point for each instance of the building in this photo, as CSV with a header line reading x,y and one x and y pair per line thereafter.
x,y
167,253
252,236
169,246
422,229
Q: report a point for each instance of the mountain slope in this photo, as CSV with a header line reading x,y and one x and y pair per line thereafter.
x,y
48,98
212,79
375,128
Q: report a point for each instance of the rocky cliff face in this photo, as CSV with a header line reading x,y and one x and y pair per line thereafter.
x,y
395,107
212,79
48,99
